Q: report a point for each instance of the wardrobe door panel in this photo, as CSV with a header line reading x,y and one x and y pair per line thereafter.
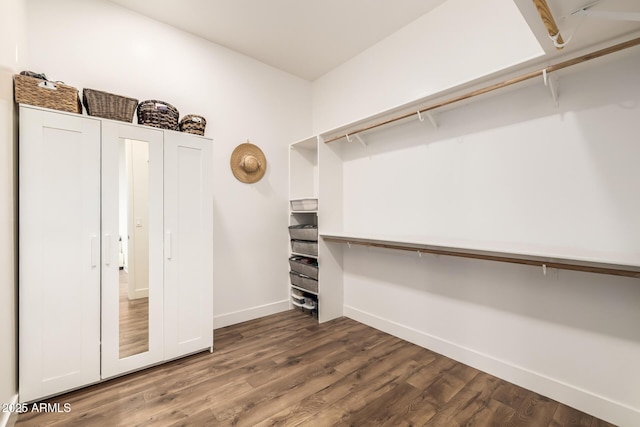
x,y
59,255
132,224
188,244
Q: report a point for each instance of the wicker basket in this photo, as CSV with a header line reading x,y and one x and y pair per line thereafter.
x,y
193,124
108,105
158,114
43,93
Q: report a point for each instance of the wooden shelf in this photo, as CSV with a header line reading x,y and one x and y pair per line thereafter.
x,y
544,257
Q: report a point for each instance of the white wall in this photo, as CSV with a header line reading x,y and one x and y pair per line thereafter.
x,y
12,53
102,46
449,46
509,169
513,169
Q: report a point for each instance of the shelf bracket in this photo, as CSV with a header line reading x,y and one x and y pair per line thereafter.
x,y
361,140
544,269
551,83
432,119
430,116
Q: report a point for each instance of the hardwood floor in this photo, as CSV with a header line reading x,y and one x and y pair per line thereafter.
x,y
134,320
286,370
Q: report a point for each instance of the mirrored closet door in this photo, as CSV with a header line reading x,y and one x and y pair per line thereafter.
x,y
132,247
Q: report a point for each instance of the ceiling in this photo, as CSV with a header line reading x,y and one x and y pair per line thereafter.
x,y
303,37
309,38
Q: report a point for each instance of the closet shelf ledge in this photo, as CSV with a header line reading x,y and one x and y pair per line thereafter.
x,y
546,257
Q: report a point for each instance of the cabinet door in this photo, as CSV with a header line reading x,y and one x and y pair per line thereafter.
x,y
59,255
132,271
188,222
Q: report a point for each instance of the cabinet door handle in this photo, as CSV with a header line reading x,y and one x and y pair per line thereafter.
x,y
94,250
168,245
107,249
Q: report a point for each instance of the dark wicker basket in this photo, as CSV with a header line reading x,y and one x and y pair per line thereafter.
x,y
158,114
108,105
43,93
193,124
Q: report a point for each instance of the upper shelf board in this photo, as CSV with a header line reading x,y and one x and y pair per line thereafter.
x,y
562,258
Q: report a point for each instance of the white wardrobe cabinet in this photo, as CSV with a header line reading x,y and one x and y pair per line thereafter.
x,y
116,249
59,252
132,225
188,263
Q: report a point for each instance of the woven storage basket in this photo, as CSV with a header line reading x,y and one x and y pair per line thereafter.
x,y
193,124
158,114
109,106
43,93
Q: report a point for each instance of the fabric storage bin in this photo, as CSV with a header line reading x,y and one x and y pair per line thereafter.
x,y
304,232
193,124
43,93
109,106
158,114
303,265
304,282
304,247
304,205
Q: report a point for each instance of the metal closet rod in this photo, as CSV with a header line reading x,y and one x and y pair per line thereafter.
x,y
496,86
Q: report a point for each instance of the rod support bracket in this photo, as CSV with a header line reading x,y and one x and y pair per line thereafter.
x,y
552,84
430,116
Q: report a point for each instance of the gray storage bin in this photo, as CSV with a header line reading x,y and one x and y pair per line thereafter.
x,y
303,265
304,247
304,282
304,205
304,232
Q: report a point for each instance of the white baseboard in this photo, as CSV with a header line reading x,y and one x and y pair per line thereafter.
x,y
250,313
139,293
8,419
583,400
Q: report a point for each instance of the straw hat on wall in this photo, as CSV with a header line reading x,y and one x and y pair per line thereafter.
x,y
248,163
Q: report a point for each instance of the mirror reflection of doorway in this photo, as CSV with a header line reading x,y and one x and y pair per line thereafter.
x,y
134,247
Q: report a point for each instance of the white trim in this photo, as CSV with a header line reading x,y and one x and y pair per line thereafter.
x,y
8,419
584,400
229,319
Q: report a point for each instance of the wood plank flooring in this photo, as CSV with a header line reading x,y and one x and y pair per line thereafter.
x,y
133,316
286,370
